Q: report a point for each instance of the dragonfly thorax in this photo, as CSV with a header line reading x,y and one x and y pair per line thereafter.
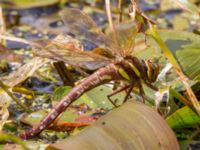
x,y
132,68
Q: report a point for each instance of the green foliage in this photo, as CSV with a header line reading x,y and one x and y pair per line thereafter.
x,y
95,98
183,118
12,138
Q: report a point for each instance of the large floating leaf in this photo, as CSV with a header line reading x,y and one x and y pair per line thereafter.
x,y
131,126
185,46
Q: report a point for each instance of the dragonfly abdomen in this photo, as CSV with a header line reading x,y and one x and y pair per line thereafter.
x,y
101,76
129,69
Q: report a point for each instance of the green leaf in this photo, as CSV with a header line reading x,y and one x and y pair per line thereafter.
x,y
189,60
99,96
95,98
34,118
183,118
31,3
7,137
60,92
185,46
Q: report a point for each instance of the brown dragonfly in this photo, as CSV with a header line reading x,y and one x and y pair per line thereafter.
x,y
121,66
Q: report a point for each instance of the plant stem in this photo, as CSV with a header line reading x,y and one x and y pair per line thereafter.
x,y
5,88
12,138
152,31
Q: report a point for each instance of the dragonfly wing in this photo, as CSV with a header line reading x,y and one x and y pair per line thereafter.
x,y
126,35
84,28
67,49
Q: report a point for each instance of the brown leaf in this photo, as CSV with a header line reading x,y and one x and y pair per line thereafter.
x,y
131,126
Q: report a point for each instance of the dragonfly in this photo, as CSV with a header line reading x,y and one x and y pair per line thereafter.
x,y
121,66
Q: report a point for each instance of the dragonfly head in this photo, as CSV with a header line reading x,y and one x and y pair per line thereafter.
x,y
152,71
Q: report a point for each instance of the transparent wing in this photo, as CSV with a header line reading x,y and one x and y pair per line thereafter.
x,y
84,28
126,34
67,49
120,42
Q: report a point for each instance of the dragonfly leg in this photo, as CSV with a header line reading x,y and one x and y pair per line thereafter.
x,y
141,92
151,86
115,92
129,91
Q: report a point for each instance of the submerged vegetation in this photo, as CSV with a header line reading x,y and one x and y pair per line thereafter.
x,y
99,74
